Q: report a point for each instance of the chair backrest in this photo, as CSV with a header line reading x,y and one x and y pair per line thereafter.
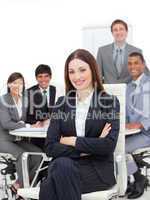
x,y
119,90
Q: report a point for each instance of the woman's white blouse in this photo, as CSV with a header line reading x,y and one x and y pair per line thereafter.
x,y
82,108
19,106
19,110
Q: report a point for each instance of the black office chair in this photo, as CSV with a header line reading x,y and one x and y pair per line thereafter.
x,y
8,175
142,159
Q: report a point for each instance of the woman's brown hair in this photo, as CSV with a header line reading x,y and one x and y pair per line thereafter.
x,y
87,57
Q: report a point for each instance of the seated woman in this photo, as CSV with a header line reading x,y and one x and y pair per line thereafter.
x,y
82,134
12,116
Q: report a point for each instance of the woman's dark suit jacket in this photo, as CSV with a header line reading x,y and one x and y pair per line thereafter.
x,y
103,109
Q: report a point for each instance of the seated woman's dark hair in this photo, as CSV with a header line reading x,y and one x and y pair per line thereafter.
x,y
14,76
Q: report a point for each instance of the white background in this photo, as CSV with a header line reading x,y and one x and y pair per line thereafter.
x,y
47,31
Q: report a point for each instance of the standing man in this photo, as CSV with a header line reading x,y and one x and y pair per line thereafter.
x,y
41,98
137,116
113,58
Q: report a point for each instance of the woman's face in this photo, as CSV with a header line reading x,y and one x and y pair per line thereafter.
x,y
16,87
80,74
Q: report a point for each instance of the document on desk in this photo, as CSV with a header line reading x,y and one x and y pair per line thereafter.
x,y
30,132
43,129
131,131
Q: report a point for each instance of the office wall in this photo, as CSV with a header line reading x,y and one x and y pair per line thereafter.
x,y
94,37
46,31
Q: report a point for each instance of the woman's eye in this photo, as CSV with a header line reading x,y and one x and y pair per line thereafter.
x,y
82,70
71,72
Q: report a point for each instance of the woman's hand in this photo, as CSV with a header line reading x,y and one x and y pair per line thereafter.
x,y
36,125
68,140
105,130
45,123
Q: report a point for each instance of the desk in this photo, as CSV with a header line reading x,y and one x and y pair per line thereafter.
x,y
42,132
131,131
30,132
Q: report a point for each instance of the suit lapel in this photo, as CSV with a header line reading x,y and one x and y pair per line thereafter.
x,y
38,97
52,94
89,120
72,111
111,49
112,60
24,108
125,62
14,109
139,90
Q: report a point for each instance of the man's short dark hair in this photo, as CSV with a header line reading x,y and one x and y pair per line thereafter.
x,y
135,54
119,21
43,69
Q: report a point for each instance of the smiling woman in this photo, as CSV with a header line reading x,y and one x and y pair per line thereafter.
x,y
80,76
82,145
16,87
13,116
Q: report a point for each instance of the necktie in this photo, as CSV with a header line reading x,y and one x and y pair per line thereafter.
x,y
44,92
118,60
45,96
134,85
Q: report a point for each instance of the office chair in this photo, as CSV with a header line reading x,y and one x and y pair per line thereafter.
x,y
119,188
8,175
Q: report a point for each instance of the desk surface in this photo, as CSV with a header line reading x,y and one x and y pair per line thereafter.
x,y
30,132
42,132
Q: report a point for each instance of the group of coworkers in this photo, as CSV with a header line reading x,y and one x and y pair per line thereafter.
x,y
81,136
